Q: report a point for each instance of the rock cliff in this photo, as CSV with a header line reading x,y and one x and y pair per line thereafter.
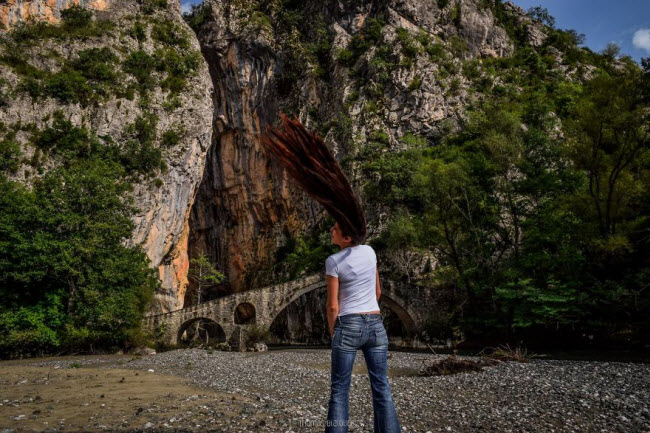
x,y
17,11
365,75
265,58
182,118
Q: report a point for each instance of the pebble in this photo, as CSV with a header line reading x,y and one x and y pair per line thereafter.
x,y
291,389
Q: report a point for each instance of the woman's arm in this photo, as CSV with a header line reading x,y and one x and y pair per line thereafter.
x,y
378,285
332,301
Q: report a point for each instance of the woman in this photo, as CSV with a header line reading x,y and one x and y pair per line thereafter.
x,y
353,287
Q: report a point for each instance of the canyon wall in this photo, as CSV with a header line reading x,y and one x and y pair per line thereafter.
x,y
222,196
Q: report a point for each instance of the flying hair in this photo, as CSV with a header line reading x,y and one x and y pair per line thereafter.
x,y
308,160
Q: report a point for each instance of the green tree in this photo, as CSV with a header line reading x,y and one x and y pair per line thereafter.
x,y
66,279
204,275
541,14
609,139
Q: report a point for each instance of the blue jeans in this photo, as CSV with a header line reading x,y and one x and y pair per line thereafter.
x,y
365,332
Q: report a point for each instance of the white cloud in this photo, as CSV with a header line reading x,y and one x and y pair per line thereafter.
x,y
641,39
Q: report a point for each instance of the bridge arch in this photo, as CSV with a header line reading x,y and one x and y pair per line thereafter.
x,y
245,313
391,300
273,313
209,329
405,318
301,319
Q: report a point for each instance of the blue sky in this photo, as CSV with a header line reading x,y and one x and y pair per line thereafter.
x,y
625,22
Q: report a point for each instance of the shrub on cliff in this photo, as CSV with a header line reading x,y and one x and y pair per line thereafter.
x,y
76,22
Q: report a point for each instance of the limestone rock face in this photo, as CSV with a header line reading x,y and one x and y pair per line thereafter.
x,y
245,204
535,35
162,223
15,11
475,24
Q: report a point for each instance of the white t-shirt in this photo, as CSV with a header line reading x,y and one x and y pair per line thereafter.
x,y
356,269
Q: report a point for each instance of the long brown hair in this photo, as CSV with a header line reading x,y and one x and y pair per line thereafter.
x,y
306,157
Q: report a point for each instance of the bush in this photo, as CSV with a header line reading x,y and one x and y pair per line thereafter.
x,y
141,65
436,51
345,57
172,136
76,22
303,254
138,31
83,80
454,85
171,34
257,334
414,84
456,14
9,154
31,330
149,7
4,98
64,139
140,155
14,56
76,17
178,67
409,49
96,64
68,86
459,46
368,36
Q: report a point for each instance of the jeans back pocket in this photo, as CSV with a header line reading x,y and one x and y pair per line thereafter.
x,y
351,337
381,336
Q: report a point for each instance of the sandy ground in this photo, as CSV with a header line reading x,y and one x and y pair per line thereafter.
x,y
91,399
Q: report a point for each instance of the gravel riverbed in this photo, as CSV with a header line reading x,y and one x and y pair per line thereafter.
x,y
289,391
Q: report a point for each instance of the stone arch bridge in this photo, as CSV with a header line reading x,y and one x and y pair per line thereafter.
x,y
231,316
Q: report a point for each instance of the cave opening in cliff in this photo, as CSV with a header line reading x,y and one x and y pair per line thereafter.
x,y
206,230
